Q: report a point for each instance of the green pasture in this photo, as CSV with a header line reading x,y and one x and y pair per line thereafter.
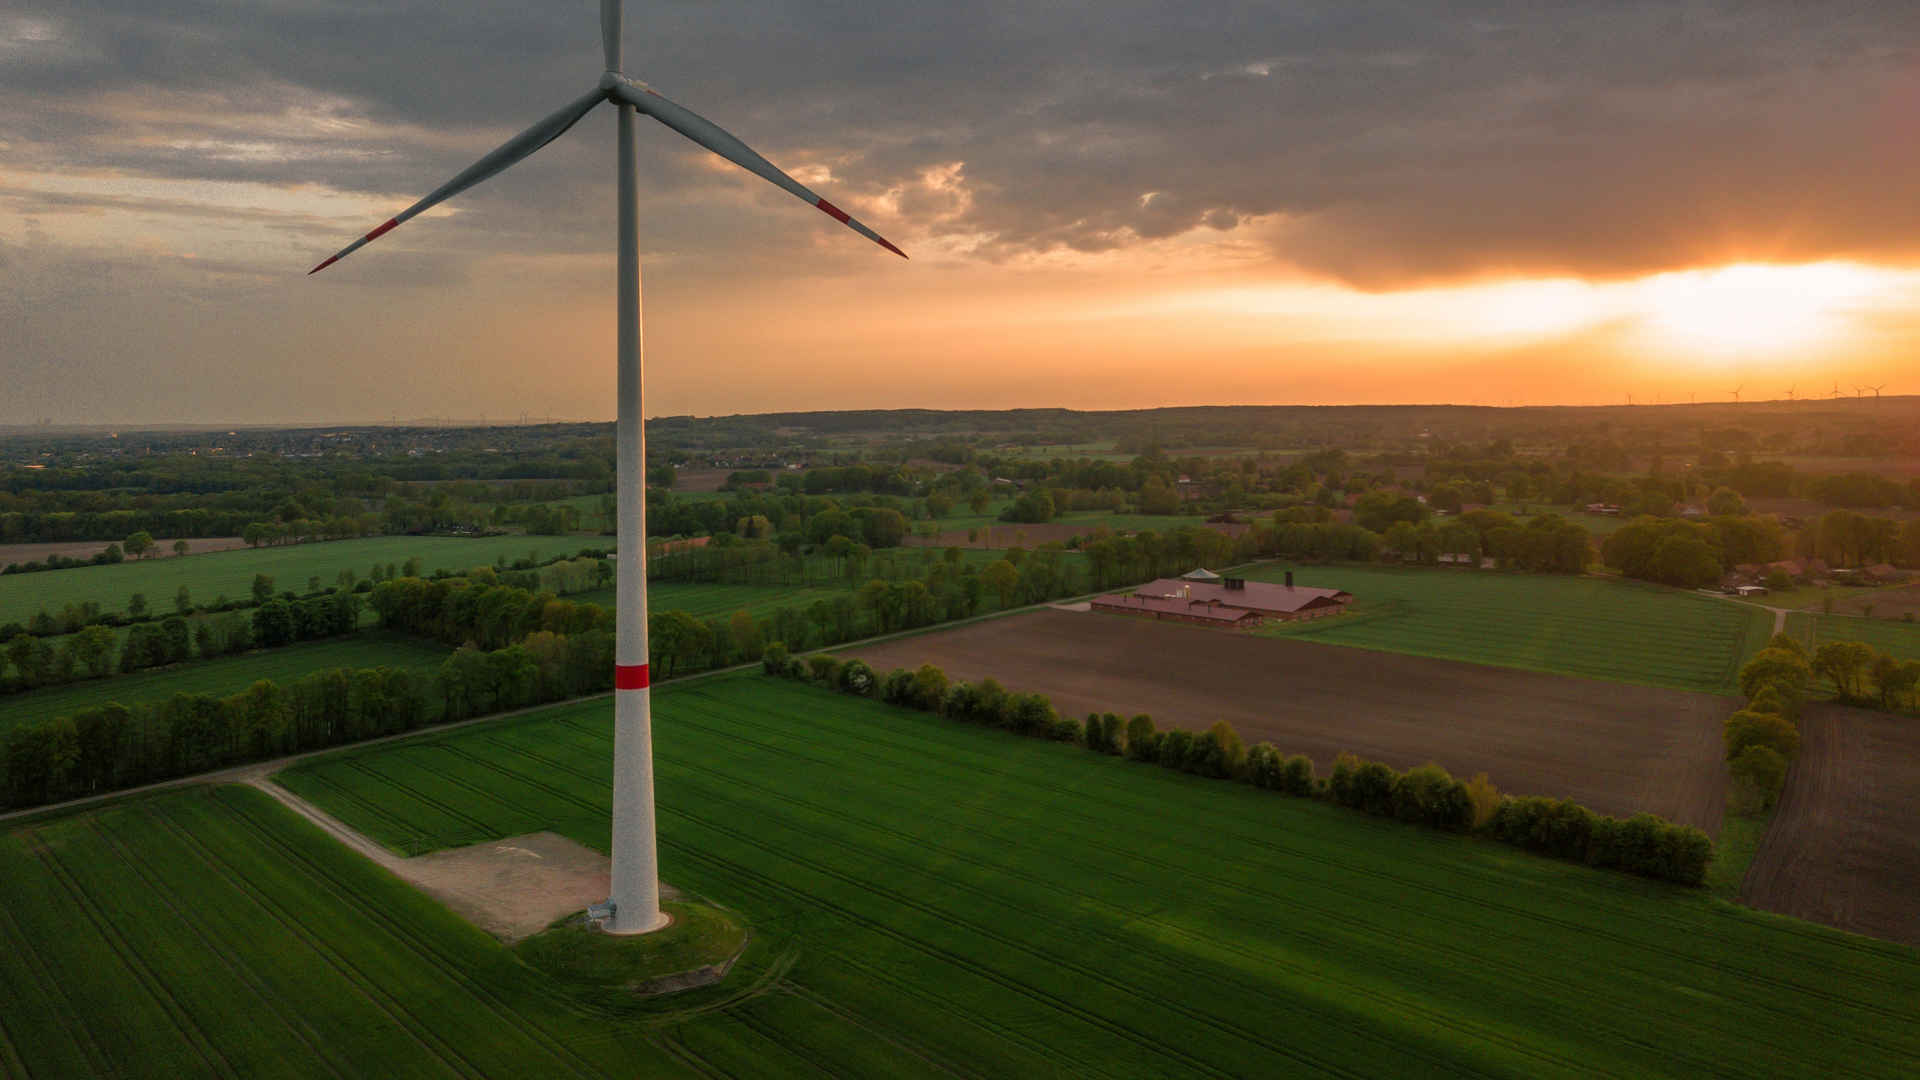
x,y
958,900
231,572
224,675
1593,627
210,932
1894,637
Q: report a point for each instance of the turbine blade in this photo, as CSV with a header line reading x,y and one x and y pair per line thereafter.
x,y
720,141
610,33
507,153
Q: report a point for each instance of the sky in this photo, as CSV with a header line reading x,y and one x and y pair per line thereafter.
x,y
1107,205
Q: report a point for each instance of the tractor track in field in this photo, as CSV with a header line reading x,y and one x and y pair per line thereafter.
x,y
183,1022
534,1034
366,987
83,1039
241,971
1362,929
1365,870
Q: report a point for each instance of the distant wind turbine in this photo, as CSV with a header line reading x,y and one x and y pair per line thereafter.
x,y
1876,390
635,899
1736,393
1790,391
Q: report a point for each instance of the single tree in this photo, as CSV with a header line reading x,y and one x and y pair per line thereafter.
x,y
181,547
138,544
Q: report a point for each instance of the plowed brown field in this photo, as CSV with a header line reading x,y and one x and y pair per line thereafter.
x,y
1844,846
1616,748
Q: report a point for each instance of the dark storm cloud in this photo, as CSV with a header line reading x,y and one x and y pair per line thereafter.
x,y
1379,143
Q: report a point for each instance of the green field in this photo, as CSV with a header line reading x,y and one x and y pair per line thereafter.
x,y
231,572
209,932
1891,636
226,675
956,899
1593,627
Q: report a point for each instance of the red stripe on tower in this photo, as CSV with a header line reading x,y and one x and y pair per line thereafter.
x,y
833,211
630,676
384,229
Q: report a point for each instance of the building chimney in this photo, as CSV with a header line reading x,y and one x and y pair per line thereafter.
x,y
1289,579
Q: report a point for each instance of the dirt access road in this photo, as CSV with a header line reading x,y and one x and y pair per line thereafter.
x,y
87,549
1616,748
1844,846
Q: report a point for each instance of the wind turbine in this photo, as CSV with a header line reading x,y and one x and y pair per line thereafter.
x,y
1876,390
1736,393
1790,391
635,899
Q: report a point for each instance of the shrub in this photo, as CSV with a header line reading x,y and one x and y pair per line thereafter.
x,y
1064,730
1143,743
1769,700
1174,748
1263,766
1758,775
1030,714
1296,775
962,702
991,704
896,687
1747,728
857,678
774,660
929,687
1784,669
1113,733
1485,799
1095,735
1217,753
1429,796
824,669
1340,784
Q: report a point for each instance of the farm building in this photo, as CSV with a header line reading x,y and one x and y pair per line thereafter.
x,y
1211,600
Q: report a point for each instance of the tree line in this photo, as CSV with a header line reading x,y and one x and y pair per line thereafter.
x,y
1644,844
119,746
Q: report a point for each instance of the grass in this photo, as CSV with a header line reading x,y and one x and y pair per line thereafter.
x,y
956,898
1893,637
231,572
1592,627
600,964
211,932
1733,852
225,675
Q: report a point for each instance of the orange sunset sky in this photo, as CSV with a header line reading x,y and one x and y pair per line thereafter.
x,y
1106,205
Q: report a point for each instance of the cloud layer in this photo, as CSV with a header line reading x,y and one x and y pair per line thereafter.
x,y
203,149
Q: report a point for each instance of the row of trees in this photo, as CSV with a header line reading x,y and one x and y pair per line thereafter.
x,y
1643,844
118,746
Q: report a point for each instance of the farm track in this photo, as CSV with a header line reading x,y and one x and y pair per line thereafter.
x,y
1841,848
1617,748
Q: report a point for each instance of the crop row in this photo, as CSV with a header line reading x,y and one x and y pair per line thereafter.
x,y
1057,907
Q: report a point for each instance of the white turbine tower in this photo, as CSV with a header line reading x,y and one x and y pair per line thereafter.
x,y
635,900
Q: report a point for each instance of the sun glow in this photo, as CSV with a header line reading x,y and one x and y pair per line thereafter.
x,y
1753,307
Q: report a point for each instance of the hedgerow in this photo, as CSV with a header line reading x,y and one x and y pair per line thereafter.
x,y
1427,795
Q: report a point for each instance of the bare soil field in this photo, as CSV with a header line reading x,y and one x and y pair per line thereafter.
x,y
1843,848
700,479
1616,748
87,549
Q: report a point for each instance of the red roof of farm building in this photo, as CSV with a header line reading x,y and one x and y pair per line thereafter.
x,y
1260,597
